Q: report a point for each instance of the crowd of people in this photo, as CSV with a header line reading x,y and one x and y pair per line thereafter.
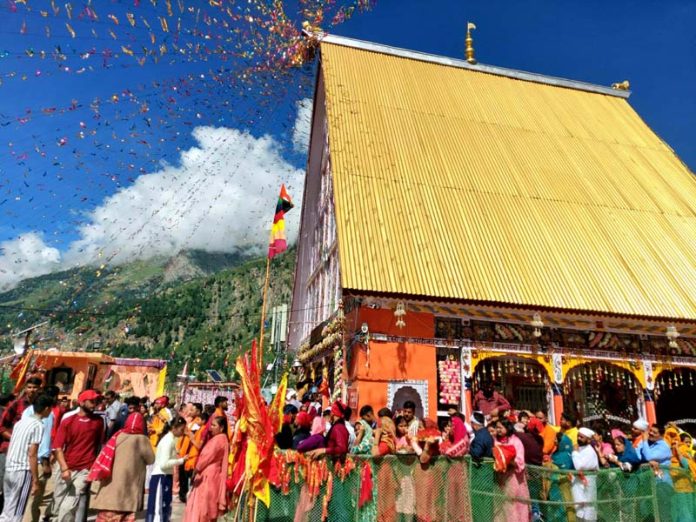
x,y
104,454
514,440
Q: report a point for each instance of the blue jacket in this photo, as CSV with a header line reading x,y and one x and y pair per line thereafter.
x,y
482,445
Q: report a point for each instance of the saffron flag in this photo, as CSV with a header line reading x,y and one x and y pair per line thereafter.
x,y
277,405
278,242
257,425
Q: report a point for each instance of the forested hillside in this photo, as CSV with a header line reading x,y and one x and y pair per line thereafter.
x,y
144,309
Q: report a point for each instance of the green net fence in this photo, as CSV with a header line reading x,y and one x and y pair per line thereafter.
x,y
400,488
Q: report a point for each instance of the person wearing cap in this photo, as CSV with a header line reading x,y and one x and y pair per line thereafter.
x,y
76,447
160,418
303,425
482,443
584,487
337,438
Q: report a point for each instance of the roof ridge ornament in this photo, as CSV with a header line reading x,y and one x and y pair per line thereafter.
x,y
469,51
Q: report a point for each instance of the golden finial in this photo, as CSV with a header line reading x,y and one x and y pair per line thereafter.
x,y
623,86
470,43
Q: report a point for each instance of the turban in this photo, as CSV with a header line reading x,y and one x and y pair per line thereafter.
x,y
641,425
478,418
586,432
162,401
338,409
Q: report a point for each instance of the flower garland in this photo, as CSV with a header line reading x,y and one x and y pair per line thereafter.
x,y
332,338
338,373
315,473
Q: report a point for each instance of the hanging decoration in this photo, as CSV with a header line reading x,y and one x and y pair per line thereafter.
x,y
450,376
331,339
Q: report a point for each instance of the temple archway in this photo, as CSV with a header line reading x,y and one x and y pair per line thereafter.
x,y
523,381
675,394
600,389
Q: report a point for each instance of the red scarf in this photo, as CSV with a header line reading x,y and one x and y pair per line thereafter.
x,y
103,466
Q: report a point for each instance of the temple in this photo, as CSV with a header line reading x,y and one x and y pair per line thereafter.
x,y
464,223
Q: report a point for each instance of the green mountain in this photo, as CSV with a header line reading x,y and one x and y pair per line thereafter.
x,y
199,307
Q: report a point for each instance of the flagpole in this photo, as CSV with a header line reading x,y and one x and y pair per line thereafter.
x,y
263,309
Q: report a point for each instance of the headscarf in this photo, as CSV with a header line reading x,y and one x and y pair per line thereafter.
x,y
318,426
365,442
616,433
629,455
563,456
134,425
535,426
458,430
460,439
104,464
388,435
338,409
303,420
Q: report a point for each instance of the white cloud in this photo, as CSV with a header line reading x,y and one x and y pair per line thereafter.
x,y
26,256
303,121
220,198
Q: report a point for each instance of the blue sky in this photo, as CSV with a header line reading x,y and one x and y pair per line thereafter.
x,y
189,153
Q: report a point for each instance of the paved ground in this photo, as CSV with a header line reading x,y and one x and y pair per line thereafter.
x,y
177,512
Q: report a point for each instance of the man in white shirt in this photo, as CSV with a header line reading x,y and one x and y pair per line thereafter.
x,y
584,487
22,467
113,413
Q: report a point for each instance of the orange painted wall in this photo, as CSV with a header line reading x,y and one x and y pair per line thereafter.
x,y
390,360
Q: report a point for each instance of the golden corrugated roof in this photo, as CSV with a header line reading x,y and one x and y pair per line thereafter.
x,y
455,183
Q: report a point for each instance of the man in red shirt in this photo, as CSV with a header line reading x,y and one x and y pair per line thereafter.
x,y
490,402
11,416
76,447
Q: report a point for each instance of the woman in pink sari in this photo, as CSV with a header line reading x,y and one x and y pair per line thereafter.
x,y
207,500
457,442
513,481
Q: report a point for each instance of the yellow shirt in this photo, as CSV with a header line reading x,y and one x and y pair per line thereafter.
x,y
156,426
572,434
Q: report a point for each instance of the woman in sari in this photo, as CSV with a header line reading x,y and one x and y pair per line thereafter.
x,y
207,500
457,442
683,499
627,460
385,435
363,438
513,481
121,469
559,487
